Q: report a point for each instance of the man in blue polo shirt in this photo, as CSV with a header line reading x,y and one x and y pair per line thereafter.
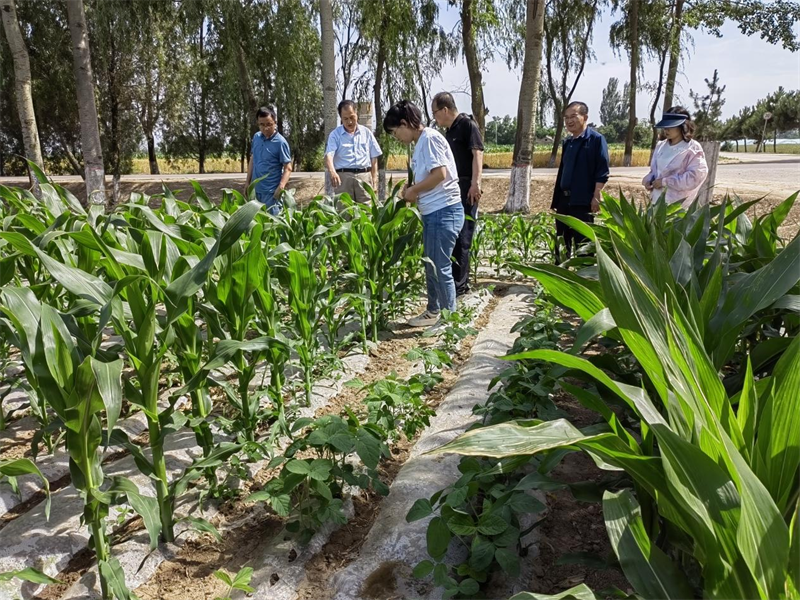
x,y
582,174
351,155
271,159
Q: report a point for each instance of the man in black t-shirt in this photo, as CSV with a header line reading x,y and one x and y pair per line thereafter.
x,y
465,141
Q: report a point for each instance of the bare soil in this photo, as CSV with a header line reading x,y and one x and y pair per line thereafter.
x,y
571,526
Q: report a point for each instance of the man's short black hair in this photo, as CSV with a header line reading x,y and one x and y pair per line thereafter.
x,y
266,111
444,100
583,108
345,103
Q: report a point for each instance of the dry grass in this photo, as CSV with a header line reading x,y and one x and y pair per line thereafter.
x,y
502,160
496,160
186,165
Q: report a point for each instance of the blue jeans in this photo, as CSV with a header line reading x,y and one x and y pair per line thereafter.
x,y
439,232
268,199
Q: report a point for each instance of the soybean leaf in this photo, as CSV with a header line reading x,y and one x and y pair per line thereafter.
x,y
422,508
438,538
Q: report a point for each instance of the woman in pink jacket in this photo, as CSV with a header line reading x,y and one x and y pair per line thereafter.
x,y
678,167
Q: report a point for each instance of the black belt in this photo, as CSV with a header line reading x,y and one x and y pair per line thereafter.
x,y
352,170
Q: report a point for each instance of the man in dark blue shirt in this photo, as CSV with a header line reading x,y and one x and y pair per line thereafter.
x,y
581,176
270,159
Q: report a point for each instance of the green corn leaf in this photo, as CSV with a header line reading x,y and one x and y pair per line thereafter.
x,y
778,439
601,322
650,571
112,572
77,282
751,293
579,592
25,466
109,386
29,574
762,536
793,579
203,526
747,413
579,294
145,506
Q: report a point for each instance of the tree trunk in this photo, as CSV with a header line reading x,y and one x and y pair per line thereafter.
x,y
473,64
633,41
674,53
737,144
328,75
74,163
22,89
520,187
380,63
201,145
654,106
151,155
87,108
552,161
775,142
114,113
711,151
246,86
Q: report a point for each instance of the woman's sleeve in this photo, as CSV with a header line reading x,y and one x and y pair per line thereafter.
x,y
436,152
692,177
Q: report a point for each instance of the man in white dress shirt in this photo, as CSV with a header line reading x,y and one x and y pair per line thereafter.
x,y
351,155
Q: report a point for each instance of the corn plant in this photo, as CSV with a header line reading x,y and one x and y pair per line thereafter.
x,y
12,304
477,250
714,471
389,235
160,278
86,394
305,290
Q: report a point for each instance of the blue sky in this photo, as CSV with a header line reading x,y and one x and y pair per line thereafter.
x,y
749,66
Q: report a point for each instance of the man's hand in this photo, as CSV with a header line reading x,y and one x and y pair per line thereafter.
x,y
596,204
474,193
658,184
277,193
336,181
410,194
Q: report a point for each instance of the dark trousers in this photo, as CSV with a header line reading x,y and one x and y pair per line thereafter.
x,y
464,241
571,237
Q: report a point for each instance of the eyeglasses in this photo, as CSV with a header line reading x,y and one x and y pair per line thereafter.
x,y
437,110
572,116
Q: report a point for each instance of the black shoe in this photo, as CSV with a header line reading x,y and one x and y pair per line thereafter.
x,y
462,291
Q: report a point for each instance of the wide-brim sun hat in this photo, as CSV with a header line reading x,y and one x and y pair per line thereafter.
x,y
671,120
